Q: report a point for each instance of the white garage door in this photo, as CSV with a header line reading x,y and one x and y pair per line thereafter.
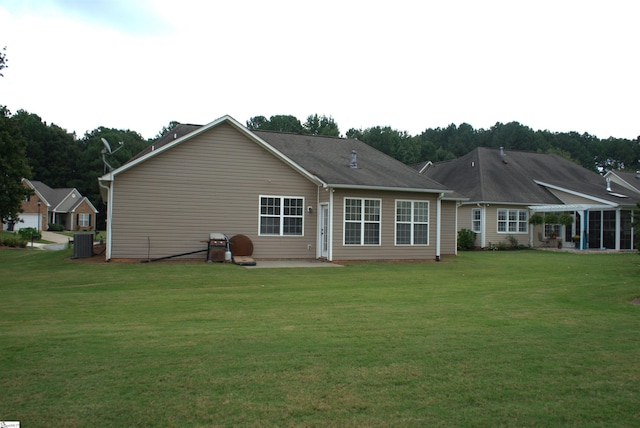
x,y
28,220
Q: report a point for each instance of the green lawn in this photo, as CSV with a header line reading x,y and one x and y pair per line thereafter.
x,y
487,339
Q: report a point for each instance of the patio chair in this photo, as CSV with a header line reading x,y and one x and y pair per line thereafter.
x,y
543,240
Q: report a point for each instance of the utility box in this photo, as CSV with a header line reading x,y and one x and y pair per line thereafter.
x,y
82,245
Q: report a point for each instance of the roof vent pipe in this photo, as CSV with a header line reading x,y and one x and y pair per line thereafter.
x,y
609,185
503,155
354,160
638,174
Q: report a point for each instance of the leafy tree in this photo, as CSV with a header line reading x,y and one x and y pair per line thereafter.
x,y
3,60
166,129
321,125
52,152
280,123
14,167
257,122
90,166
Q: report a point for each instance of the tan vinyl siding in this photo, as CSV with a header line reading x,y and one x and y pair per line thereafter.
x,y
387,250
465,221
448,233
211,183
568,198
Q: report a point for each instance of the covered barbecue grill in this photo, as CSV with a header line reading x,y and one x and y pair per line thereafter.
x,y
218,248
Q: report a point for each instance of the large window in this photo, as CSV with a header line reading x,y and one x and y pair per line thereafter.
x,y
84,220
281,216
513,221
412,223
361,221
476,220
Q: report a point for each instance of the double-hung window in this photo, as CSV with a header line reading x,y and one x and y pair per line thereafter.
x,y
281,216
84,220
513,221
476,220
412,222
362,221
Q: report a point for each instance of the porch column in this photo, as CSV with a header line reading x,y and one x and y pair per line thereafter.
x,y
618,226
584,243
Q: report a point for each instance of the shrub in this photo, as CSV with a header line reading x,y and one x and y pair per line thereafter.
x,y
14,241
54,227
28,232
466,239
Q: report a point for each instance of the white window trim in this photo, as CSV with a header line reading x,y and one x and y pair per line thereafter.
x,y
412,222
362,222
518,221
281,215
473,220
87,217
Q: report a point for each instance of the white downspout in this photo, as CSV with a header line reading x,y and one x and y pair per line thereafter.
x,y
330,227
107,252
318,225
438,224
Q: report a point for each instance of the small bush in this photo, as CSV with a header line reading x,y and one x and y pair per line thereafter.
x,y
28,232
14,241
466,239
54,227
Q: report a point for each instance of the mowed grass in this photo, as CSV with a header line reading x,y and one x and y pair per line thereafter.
x,y
486,339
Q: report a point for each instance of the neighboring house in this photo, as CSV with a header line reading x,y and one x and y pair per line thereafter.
x,y
506,187
66,207
295,197
628,180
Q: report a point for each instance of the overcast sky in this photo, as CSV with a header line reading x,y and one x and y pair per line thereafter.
x,y
560,65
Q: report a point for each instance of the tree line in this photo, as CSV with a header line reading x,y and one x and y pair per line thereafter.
x,y
31,148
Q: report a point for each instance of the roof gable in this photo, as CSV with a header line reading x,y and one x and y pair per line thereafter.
x,y
55,197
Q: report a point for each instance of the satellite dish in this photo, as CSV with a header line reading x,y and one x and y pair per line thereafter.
x,y
107,150
107,147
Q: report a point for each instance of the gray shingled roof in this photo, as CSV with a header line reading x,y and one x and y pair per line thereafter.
x,y
483,175
52,196
328,158
179,131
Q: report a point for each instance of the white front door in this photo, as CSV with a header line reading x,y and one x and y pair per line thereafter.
x,y
324,230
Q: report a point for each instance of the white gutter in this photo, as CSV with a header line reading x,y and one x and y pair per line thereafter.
x,y
572,192
390,189
438,224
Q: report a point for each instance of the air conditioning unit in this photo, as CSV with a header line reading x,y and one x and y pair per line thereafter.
x,y
82,245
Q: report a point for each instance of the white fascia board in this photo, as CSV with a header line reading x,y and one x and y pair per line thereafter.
x,y
110,175
231,121
568,207
66,197
84,198
38,194
489,203
390,189
572,192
